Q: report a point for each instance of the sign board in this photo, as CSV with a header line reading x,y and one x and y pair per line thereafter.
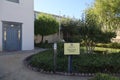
x,y
71,48
55,46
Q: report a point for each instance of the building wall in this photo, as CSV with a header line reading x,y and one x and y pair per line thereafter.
x,y
50,38
118,34
1,25
117,39
19,12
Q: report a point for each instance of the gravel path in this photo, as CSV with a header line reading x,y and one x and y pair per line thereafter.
x,y
12,68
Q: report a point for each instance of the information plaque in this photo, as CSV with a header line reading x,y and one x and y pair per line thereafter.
x,y
71,48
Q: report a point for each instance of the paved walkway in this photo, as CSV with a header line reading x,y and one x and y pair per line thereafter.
x,y
12,68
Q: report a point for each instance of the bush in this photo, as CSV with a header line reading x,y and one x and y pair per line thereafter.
x,y
101,76
60,49
83,63
43,60
115,45
44,45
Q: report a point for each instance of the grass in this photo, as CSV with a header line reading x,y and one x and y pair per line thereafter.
x,y
110,50
100,76
101,49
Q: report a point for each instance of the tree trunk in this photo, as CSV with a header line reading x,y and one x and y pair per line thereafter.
x,y
92,47
87,46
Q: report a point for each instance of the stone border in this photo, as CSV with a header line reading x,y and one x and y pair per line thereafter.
x,y
63,73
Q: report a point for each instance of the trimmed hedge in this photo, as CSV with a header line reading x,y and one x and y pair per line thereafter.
x,y
100,76
84,63
44,45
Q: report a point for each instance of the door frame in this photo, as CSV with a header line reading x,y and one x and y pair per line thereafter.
x,y
11,23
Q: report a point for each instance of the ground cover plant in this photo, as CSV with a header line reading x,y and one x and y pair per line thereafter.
x,y
100,76
84,63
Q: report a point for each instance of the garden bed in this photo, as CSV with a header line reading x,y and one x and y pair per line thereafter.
x,y
84,63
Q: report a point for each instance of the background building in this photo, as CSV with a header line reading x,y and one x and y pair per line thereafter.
x,y
117,39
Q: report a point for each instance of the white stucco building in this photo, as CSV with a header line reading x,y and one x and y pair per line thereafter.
x,y
16,25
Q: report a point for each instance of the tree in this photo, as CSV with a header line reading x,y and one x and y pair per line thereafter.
x,y
107,13
86,30
70,29
91,33
45,25
100,22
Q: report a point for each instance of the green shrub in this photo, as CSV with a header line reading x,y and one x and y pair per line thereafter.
x,y
100,76
83,63
43,60
60,49
115,45
44,45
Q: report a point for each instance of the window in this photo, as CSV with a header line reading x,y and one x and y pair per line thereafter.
x,y
16,1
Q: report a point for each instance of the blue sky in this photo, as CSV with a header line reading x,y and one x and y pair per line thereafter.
x,y
62,7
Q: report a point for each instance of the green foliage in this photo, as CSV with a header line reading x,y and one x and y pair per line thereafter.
x,y
84,63
45,25
91,34
100,76
115,45
86,31
44,45
106,37
70,30
107,13
43,60
98,63
60,49
90,30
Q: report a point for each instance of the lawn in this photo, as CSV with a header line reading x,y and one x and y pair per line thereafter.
x,y
110,50
101,49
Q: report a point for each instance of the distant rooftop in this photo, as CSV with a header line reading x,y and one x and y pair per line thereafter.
x,y
57,16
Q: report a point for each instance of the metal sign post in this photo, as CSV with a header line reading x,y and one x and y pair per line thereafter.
x,y
70,64
55,54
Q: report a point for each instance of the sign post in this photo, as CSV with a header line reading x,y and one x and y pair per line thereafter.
x,y
71,49
70,64
55,54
